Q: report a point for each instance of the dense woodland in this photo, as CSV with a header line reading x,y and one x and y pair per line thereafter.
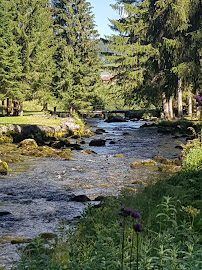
x,y
51,52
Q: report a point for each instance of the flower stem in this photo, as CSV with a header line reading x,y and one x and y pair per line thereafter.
x,y
137,252
123,240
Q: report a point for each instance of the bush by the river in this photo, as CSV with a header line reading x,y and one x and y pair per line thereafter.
x,y
159,228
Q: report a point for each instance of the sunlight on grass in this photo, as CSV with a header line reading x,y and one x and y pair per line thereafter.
x,y
30,120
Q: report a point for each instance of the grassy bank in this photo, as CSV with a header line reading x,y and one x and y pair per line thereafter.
x,y
159,228
30,120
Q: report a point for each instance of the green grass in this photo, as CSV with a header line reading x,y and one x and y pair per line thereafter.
x,y
30,120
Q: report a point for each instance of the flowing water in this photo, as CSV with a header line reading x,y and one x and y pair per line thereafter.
x,y
37,192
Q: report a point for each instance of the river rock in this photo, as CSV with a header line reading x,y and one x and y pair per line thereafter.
x,y
3,167
28,143
99,131
88,151
116,118
97,142
61,144
4,213
119,155
3,129
162,160
80,198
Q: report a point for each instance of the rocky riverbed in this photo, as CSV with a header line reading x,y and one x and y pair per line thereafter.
x,y
37,195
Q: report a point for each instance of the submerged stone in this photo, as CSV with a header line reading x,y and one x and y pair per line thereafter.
x,y
80,198
4,213
119,155
98,142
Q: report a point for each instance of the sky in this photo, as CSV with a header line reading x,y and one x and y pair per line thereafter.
x,y
103,12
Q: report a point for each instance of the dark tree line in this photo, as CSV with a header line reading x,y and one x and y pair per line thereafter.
x,y
47,50
158,52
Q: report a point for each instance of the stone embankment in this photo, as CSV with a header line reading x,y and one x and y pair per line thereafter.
x,y
39,141
42,134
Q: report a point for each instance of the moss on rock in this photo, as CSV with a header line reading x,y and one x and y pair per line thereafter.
x,y
28,143
6,139
3,167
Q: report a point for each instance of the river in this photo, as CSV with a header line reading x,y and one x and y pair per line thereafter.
x,y
37,192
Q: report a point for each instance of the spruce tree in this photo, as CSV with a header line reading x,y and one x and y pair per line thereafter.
x,y
10,66
36,40
154,52
76,57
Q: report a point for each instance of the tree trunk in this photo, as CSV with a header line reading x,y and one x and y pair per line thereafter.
x,y
16,109
21,109
3,108
165,106
72,111
170,105
12,107
8,108
198,112
45,107
189,104
179,97
54,110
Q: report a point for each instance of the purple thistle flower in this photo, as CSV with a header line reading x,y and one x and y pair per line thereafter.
x,y
123,207
136,215
197,97
137,227
121,224
130,212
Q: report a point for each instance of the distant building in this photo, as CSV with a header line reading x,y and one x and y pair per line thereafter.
x,y
105,77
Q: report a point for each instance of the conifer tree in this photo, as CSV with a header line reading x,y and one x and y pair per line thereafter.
x,y
35,37
154,43
10,66
76,57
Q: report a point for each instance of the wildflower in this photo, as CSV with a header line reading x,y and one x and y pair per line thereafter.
x,y
136,215
123,207
121,224
137,227
196,97
130,212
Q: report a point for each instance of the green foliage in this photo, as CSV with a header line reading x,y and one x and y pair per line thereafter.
x,y
10,66
193,158
77,70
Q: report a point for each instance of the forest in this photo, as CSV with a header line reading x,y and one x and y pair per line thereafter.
x,y
51,52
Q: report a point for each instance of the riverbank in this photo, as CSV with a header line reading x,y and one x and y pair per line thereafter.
x,y
37,192
158,228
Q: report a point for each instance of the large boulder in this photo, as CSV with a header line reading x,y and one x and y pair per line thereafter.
x,y
97,142
3,167
116,118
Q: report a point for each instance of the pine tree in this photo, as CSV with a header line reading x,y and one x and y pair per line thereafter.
x,y
35,37
77,57
131,47
154,52
10,66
